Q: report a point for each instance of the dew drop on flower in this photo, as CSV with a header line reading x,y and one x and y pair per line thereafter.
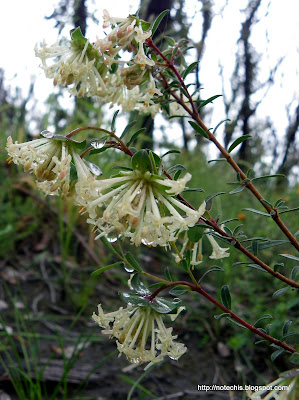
x,y
146,242
112,237
47,134
94,168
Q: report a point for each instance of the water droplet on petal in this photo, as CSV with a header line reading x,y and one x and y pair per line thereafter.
x,y
47,134
94,168
112,237
146,242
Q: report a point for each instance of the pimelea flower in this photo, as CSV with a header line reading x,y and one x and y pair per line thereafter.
x,y
195,248
47,158
75,63
283,388
141,334
137,205
218,252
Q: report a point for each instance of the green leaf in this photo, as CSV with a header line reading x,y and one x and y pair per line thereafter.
x,y
189,69
198,129
176,175
217,126
291,337
237,190
177,167
145,25
178,291
138,286
216,160
255,247
193,190
236,323
294,359
221,316
158,20
266,316
127,128
290,256
108,244
256,266
129,257
195,233
276,266
286,327
205,102
237,142
280,292
256,211
214,268
97,151
294,272
113,121
169,40
141,161
276,354
167,274
163,306
103,269
209,198
170,152
266,202
269,243
268,176
288,210
156,160
135,135
225,296
133,299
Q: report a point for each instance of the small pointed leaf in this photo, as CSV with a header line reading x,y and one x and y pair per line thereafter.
x,y
237,142
225,296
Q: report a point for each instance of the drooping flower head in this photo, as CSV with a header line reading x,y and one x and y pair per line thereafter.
x,y
76,63
48,158
100,69
137,204
218,252
284,388
139,329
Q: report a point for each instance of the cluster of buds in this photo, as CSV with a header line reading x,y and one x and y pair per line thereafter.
x,y
98,69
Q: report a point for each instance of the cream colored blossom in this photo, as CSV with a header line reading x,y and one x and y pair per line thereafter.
x,y
280,389
141,334
137,205
218,252
48,159
73,66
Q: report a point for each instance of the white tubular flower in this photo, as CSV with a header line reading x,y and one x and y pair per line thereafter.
x,y
76,64
48,159
140,38
141,334
139,206
280,389
218,252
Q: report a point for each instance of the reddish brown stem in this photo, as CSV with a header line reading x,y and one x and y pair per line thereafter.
x,y
198,289
194,114
237,244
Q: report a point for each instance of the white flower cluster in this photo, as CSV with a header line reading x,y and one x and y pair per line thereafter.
x,y
141,334
280,389
136,205
97,69
48,159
